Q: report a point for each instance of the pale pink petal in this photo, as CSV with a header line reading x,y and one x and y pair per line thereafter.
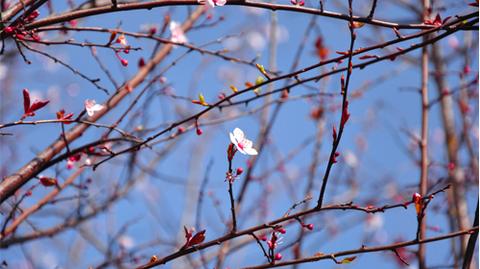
x,y
238,134
211,3
220,2
91,106
178,35
241,143
70,164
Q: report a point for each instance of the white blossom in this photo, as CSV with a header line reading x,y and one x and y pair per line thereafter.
x,y
242,144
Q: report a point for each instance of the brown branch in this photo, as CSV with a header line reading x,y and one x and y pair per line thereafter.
x,y
68,16
364,249
274,223
344,113
423,182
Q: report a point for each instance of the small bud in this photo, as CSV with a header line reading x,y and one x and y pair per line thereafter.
x,y
281,230
180,130
199,131
221,96
309,226
124,62
141,63
239,171
152,30
416,197
278,256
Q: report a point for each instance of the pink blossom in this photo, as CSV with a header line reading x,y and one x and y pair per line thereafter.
x,y
178,36
213,3
242,144
91,106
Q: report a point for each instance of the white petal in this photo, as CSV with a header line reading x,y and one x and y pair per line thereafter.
x,y
233,140
250,151
242,151
221,2
211,3
238,134
97,107
246,143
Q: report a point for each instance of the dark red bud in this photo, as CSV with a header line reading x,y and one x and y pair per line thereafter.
x,y
239,171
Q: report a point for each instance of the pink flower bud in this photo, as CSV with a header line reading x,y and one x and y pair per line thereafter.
x,y
281,230
124,62
278,256
309,226
199,131
239,171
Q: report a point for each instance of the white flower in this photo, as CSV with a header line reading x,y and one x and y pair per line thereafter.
x,y
350,159
242,143
178,36
213,3
91,106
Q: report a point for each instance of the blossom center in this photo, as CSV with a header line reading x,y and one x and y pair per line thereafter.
x,y
240,145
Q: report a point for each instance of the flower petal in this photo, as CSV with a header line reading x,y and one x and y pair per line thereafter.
x,y
238,134
211,3
232,139
250,151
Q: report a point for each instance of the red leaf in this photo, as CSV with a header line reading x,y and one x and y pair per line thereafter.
x,y
345,114
438,20
48,181
26,100
37,105
188,234
197,238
